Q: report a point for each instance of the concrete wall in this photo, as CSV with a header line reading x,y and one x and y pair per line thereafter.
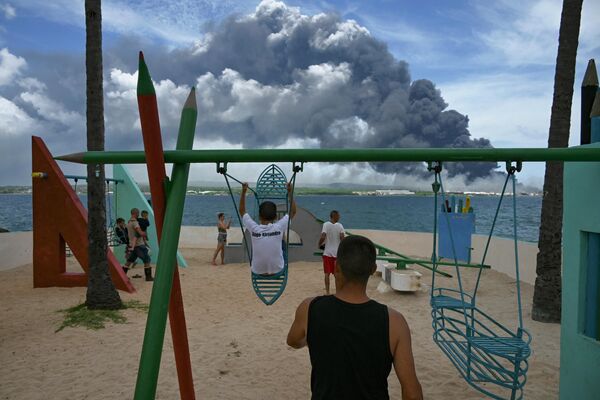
x,y
579,354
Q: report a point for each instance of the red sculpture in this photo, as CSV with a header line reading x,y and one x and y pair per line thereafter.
x,y
59,217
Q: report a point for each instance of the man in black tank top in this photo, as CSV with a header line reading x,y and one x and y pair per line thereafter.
x,y
353,340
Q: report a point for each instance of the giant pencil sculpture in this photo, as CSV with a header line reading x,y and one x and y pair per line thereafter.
x,y
157,176
342,155
589,87
595,121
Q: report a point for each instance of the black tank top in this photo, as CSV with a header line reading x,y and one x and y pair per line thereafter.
x,y
349,349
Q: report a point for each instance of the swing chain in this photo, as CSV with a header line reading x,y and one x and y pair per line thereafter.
x,y
437,168
512,169
222,169
298,168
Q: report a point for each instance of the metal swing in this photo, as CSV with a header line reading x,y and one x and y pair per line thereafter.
x,y
111,235
110,223
489,356
271,185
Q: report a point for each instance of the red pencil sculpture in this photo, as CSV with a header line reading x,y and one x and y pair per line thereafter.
x,y
157,177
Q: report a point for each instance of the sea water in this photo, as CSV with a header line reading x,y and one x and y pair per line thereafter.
x,y
401,213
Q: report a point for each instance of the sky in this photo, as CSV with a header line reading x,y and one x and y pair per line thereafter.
x,y
294,74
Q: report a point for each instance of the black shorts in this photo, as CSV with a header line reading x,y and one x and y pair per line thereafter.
x,y
139,252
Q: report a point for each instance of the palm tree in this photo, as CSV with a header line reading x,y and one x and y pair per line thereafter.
x,y
101,292
547,292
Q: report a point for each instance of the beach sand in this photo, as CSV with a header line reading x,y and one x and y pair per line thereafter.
x,y
237,344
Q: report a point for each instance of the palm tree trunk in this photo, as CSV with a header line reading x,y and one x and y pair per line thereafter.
x,y
547,292
101,292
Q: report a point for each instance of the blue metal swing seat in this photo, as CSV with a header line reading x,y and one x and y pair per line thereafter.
x,y
272,185
490,357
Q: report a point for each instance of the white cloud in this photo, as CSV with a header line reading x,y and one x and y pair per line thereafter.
x,y
11,67
15,121
526,33
52,110
8,10
346,32
353,130
520,101
230,98
176,22
31,84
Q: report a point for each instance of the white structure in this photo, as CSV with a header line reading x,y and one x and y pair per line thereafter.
x,y
402,280
393,192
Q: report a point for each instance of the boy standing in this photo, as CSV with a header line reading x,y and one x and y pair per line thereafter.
x,y
144,221
121,231
331,235
267,252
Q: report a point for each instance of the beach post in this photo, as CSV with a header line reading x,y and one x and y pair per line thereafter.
x,y
157,177
589,88
147,378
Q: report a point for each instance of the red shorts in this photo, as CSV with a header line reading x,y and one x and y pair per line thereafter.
x,y
329,264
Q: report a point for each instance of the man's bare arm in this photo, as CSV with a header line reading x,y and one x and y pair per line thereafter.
x,y
140,231
243,199
404,363
322,239
292,201
296,337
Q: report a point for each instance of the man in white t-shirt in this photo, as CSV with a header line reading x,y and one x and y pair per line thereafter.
x,y
267,236
331,236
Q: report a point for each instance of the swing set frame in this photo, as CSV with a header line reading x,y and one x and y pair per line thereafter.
x,y
172,219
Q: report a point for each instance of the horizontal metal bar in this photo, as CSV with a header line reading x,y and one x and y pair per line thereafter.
x,y
440,263
83,177
343,155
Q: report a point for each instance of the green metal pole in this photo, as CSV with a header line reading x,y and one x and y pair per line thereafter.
x,y
147,378
342,155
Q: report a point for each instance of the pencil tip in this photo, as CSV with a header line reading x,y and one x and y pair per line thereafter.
x,y
591,75
191,99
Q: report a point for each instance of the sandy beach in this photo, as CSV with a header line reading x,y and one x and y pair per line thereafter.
x,y
237,344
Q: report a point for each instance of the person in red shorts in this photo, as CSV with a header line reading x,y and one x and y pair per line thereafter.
x,y
331,236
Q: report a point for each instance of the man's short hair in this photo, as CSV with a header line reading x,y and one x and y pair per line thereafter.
x,y
356,257
134,211
219,215
267,211
332,213
144,212
119,220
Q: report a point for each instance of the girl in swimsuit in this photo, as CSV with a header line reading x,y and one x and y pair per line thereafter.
x,y
222,226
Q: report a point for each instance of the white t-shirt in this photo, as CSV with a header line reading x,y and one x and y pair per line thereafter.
x,y
332,238
267,253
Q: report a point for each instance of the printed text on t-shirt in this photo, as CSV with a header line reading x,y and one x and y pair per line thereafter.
x,y
266,234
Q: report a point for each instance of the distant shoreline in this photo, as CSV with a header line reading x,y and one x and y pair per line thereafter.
x,y
299,191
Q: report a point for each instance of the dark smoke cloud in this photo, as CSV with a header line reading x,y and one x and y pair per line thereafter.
x,y
267,79
278,44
